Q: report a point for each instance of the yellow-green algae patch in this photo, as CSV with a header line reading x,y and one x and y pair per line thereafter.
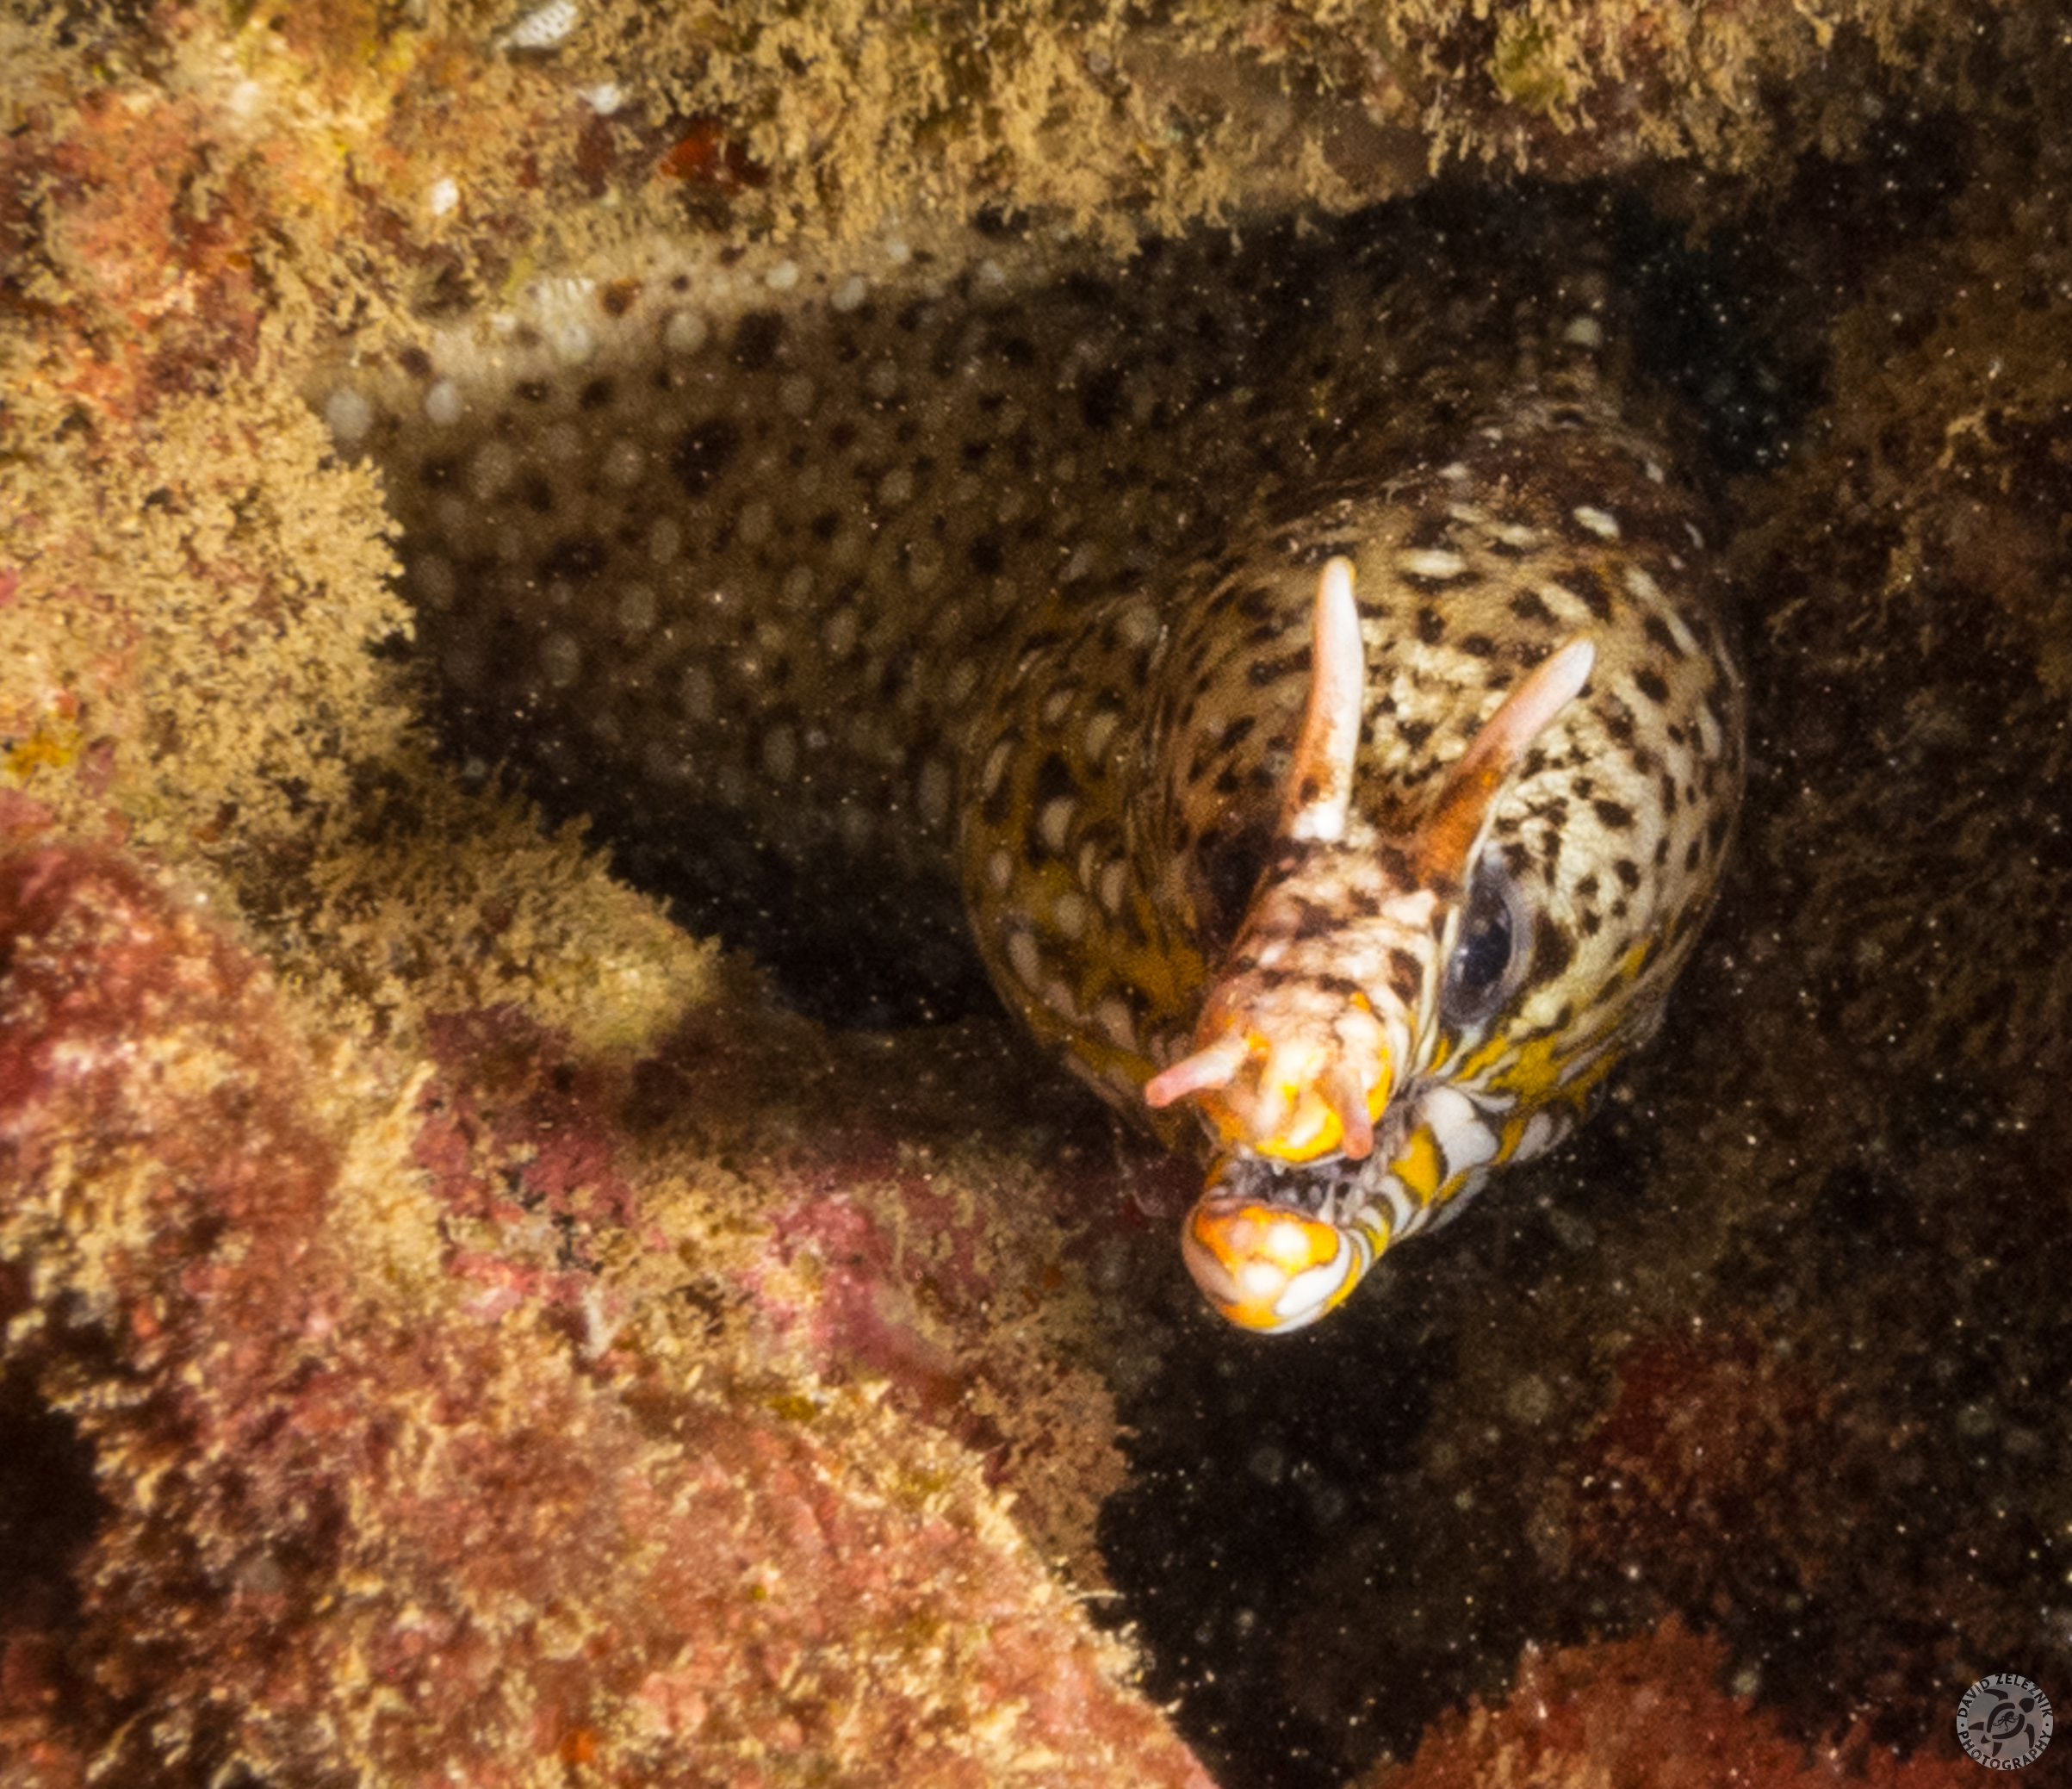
x,y
193,585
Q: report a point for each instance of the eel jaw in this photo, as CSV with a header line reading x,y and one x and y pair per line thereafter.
x,y
1271,1269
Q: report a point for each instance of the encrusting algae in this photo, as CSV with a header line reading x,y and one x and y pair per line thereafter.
x,y
473,1332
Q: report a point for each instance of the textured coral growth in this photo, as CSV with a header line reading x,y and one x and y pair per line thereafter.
x,y
359,1524
1644,1713
1707,1436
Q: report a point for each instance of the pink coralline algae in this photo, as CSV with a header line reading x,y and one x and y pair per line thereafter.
x,y
1709,1439
1644,1713
354,1526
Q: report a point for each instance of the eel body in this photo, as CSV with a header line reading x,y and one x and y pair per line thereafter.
x,y
1305,658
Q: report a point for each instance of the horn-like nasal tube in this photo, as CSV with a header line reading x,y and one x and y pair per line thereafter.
x,y
1320,776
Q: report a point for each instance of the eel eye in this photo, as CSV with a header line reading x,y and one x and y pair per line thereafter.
x,y
1489,961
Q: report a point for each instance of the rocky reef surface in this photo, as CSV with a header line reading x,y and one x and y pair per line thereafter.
x,y
458,1324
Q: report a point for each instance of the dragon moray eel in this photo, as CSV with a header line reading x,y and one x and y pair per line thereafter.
x,y
1305,655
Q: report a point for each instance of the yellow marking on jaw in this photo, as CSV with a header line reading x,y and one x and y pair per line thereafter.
x,y
1514,1133
1536,1076
1483,1059
1452,1189
1576,1090
1312,1130
1246,1256
1418,1166
1314,1126
1535,1072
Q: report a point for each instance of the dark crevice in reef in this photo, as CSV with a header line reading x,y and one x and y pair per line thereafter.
x,y
49,1510
844,947
858,946
1315,1585
1253,1463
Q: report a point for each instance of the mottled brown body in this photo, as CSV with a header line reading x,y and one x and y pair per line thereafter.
x,y
1554,519
1012,567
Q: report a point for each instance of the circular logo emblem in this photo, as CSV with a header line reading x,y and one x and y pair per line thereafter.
x,y
2004,1722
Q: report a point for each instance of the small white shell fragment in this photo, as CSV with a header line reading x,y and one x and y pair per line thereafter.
x,y
544,26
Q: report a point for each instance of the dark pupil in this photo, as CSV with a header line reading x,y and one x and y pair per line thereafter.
x,y
1484,952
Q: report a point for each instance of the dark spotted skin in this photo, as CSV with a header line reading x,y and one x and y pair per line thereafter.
x,y
1541,508
991,578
